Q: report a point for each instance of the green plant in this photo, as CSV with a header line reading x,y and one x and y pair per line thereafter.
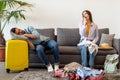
x,y
11,9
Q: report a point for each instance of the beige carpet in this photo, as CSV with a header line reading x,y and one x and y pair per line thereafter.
x,y
36,75
44,75
112,76
40,74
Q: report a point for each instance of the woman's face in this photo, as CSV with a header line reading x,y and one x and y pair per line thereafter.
x,y
86,16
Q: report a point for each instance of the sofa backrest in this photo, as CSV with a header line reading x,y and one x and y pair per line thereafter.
x,y
71,37
68,36
47,32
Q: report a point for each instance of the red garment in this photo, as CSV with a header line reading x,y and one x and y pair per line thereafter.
x,y
99,77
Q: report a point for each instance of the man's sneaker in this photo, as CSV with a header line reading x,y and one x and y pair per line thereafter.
x,y
56,67
50,68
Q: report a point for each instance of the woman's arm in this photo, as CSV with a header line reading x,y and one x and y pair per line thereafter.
x,y
82,31
96,35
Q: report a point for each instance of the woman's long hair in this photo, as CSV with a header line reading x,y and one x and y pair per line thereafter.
x,y
89,13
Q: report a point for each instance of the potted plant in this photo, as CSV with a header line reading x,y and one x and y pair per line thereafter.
x,y
10,9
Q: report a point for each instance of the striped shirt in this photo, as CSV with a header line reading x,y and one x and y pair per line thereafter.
x,y
93,33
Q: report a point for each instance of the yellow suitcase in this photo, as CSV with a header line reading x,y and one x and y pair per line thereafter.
x,y
16,57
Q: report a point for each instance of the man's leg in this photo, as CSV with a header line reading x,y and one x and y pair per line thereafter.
x,y
42,56
54,46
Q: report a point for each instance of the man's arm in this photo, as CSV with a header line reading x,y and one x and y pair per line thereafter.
x,y
30,44
33,36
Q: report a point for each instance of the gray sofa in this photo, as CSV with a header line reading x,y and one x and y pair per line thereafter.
x,y
67,39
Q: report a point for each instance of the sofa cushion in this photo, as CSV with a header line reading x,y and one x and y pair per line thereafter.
x,y
73,50
106,52
100,31
107,38
69,50
47,32
68,36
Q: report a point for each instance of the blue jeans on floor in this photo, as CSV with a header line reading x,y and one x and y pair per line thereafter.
x,y
87,58
50,44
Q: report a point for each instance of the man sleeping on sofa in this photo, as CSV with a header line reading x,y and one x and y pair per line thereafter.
x,y
38,42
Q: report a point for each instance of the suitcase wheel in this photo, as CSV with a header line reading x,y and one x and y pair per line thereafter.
x,y
26,69
7,70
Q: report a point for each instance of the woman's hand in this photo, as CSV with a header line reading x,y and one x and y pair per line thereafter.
x,y
84,20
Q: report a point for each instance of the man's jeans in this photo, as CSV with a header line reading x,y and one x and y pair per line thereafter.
x,y
50,44
86,56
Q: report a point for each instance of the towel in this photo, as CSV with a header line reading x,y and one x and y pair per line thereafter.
x,y
91,46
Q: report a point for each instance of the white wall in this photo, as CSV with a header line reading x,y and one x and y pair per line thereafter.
x,y
67,14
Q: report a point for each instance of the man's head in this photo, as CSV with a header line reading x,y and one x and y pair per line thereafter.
x,y
17,31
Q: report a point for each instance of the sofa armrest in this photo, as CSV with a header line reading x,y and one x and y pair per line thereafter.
x,y
116,45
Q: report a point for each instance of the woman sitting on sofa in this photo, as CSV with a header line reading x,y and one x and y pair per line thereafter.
x,y
41,44
88,31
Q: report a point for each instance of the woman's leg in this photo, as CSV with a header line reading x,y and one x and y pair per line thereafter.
x,y
83,51
91,59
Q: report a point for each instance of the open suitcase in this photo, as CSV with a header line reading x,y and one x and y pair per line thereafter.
x,y
16,57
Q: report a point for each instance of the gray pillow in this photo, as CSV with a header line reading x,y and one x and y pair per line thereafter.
x,y
100,31
15,36
107,38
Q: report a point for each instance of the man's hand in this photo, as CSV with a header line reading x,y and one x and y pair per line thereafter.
x,y
30,36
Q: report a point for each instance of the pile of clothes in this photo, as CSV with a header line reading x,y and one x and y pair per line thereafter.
x,y
74,71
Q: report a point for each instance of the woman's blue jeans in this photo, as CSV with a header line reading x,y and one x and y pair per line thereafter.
x,y
50,44
87,59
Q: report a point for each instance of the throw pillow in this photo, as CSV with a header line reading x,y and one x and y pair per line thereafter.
x,y
107,38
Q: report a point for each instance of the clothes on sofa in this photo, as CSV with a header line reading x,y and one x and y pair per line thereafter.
x,y
91,46
41,43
